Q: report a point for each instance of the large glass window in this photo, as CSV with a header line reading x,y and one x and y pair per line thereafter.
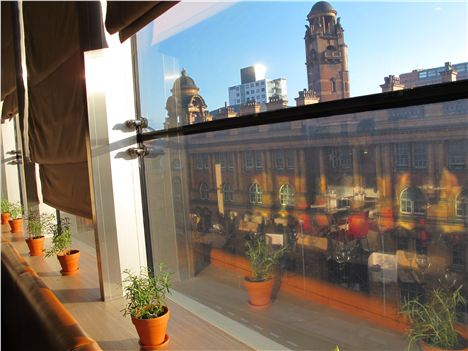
x,y
334,193
201,56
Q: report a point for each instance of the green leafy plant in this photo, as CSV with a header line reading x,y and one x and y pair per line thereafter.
x,y
262,257
61,240
16,210
5,206
434,321
146,293
39,224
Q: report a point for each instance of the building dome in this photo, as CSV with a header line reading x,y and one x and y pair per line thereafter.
x,y
321,7
184,82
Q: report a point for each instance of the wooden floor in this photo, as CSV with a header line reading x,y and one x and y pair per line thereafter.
x,y
295,323
103,321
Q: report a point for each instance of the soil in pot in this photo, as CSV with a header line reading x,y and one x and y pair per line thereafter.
x,y
69,262
16,225
259,291
36,246
152,332
5,217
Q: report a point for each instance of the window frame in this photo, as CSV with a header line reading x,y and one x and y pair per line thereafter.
x,y
286,192
204,190
255,194
228,192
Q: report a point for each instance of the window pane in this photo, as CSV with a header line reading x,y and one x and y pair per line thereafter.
x,y
192,49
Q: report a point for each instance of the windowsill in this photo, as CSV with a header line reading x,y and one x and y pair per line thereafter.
x,y
103,320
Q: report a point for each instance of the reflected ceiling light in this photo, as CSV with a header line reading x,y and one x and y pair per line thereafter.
x,y
171,77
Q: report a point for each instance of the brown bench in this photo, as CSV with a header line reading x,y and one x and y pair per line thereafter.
x,y
32,316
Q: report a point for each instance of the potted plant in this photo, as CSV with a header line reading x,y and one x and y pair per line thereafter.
x,y
262,260
38,225
146,304
61,246
5,211
16,220
432,324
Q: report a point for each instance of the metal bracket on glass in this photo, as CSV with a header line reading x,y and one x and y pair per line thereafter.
x,y
138,151
140,122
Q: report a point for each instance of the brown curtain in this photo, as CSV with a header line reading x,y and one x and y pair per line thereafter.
x,y
56,34
8,67
128,17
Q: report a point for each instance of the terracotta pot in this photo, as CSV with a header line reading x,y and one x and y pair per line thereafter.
x,y
426,347
152,332
259,292
69,262
16,225
5,217
36,246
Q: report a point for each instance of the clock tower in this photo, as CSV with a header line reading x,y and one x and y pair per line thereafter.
x,y
326,54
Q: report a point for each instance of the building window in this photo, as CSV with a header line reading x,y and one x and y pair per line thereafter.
x,y
255,194
198,162
278,159
461,204
221,158
258,160
333,85
286,195
420,156
402,156
176,165
412,202
204,193
456,155
459,256
248,160
290,161
341,158
228,194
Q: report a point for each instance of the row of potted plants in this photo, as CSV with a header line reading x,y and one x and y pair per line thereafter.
x,y
12,214
145,292
38,225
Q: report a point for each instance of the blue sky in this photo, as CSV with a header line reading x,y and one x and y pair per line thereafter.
x,y
383,38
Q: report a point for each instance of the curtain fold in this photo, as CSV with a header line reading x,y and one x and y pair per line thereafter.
x,y
128,17
56,34
9,94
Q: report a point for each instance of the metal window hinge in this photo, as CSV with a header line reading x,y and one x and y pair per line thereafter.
x,y
138,151
140,122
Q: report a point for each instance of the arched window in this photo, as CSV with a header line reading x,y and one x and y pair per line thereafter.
x,y
255,193
333,85
286,195
413,201
461,204
228,194
204,195
176,164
